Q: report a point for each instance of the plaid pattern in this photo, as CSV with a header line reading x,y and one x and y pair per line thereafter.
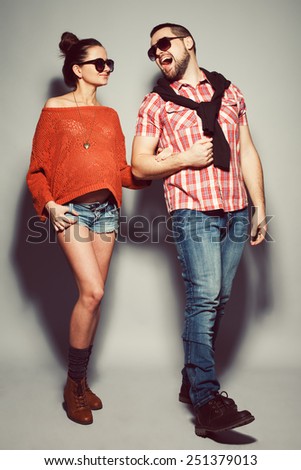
x,y
178,128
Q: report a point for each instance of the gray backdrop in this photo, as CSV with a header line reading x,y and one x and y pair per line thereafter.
x,y
257,46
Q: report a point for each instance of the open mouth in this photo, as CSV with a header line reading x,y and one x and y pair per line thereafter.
x,y
167,60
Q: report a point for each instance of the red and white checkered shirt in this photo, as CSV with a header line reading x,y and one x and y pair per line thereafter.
x,y
178,128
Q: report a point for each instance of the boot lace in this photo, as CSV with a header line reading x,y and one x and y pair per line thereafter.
x,y
218,402
80,397
225,397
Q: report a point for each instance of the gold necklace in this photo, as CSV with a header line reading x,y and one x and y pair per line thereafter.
x,y
86,143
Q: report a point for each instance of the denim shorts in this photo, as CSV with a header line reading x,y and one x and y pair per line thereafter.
x,y
97,217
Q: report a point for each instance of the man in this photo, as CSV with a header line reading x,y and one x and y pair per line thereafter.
x,y
192,131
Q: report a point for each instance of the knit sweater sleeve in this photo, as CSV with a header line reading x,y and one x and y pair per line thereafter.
x,y
39,165
127,178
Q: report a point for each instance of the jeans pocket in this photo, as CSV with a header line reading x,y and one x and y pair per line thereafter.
x,y
69,213
111,210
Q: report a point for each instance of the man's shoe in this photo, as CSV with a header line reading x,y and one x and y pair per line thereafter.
x,y
217,416
184,393
94,402
75,404
185,398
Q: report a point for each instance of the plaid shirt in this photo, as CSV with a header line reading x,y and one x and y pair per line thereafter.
x,y
178,128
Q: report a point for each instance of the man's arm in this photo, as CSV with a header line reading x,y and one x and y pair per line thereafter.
x,y
253,178
146,166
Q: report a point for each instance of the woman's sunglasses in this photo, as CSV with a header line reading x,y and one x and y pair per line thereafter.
x,y
163,44
100,64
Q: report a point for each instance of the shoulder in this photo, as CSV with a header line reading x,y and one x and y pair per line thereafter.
x,y
108,113
151,103
63,101
51,103
107,116
108,110
235,91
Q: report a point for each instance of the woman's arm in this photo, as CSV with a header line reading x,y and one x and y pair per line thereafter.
x,y
39,162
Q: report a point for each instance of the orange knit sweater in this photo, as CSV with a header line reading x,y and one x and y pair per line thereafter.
x,y
61,169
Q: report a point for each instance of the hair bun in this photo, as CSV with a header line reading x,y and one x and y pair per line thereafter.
x,y
67,41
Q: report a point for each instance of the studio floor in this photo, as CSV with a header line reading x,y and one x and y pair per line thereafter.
x,y
141,411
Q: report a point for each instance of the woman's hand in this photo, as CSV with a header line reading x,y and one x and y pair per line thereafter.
x,y
162,154
58,218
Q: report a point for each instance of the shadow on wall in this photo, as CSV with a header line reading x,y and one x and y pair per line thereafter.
x,y
251,298
44,274
57,87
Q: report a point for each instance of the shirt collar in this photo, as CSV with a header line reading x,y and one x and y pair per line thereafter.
x,y
177,85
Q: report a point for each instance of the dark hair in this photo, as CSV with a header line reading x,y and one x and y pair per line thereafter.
x,y
75,51
176,29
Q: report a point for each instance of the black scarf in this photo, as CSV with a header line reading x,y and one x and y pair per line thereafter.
x,y
207,111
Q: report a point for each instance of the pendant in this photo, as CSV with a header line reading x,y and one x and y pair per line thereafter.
x,y
86,145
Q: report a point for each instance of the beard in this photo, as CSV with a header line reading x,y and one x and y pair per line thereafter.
x,y
179,69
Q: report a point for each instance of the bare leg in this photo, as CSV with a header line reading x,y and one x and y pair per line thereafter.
x,y
89,255
103,245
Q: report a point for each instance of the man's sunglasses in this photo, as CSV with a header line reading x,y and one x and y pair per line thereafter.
x,y
100,64
163,44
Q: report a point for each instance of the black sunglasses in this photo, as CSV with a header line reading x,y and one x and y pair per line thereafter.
x,y
100,64
163,44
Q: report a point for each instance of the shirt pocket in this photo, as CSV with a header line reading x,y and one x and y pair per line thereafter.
x,y
228,113
179,117
185,137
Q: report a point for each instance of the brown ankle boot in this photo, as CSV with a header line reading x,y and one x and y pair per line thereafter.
x,y
76,404
93,400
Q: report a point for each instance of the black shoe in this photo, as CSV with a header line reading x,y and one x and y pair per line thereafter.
x,y
184,393
185,398
217,416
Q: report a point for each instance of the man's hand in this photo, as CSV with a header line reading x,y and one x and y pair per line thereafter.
x,y
258,226
200,154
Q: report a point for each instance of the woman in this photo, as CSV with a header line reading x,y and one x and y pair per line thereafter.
x,y
77,170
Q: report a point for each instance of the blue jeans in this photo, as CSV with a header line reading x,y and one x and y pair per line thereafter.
x,y
209,245
97,217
